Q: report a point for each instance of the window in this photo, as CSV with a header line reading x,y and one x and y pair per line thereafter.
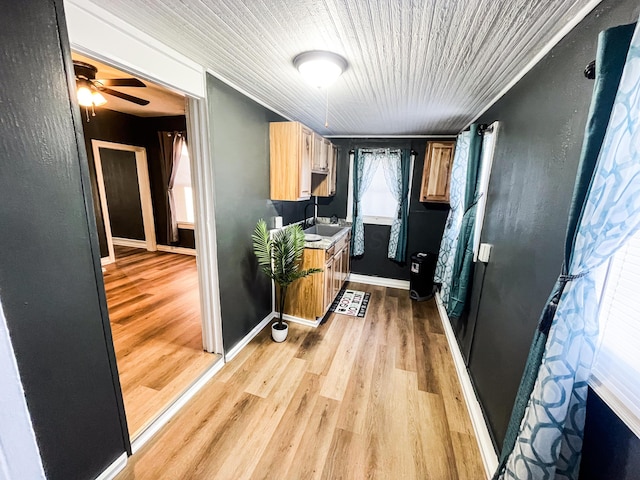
x,y
379,206
488,150
616,367
183,192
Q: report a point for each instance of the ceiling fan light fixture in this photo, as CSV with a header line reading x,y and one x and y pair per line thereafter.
x,y
85,97
320,68
98,99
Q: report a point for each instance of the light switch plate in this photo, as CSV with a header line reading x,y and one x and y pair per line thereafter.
x,y
484,252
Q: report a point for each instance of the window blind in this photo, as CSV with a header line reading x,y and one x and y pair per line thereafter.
x,y
616,368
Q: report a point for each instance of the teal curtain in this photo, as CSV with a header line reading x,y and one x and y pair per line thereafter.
x,y
544,436
449,242
397,169
365,165
463,260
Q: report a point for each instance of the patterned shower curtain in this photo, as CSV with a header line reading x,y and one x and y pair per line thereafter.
x,y
449,242
606,213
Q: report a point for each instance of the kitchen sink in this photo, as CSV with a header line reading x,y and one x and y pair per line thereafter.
x,y
324,230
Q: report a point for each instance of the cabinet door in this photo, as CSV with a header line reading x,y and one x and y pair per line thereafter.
x,y
316,164
337,273
327,154
333,165
328,283
305,162
345,263
437,172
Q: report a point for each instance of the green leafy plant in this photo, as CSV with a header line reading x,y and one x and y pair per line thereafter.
x,y
279,257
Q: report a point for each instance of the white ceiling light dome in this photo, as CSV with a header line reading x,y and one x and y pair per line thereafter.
x,y
320,68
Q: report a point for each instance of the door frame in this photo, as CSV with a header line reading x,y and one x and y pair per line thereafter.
x,y
144,190
97,33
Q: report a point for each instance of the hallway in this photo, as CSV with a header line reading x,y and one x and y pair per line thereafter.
x,y
356,398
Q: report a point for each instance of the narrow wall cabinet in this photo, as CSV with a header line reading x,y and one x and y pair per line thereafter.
x,y
291,150
436,174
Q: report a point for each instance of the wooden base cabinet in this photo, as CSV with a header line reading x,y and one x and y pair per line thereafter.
x,y
311,297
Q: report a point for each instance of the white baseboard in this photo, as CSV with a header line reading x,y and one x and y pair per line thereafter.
x,y
172,249
175,407
380,281
129,242
233,351
106,261
301,321
480,427
114,469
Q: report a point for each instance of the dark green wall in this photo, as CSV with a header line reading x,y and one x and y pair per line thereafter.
x,y
128,129
426,220
239,134
538,147
50,278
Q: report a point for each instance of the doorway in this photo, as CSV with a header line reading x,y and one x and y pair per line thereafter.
x,y
146,216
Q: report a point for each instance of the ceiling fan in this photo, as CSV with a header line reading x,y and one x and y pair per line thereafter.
x,y
90,89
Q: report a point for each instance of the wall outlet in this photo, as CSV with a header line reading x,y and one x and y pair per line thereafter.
x,y
484,252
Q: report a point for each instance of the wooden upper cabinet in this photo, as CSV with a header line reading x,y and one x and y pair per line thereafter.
x,y
324,184
320,162
291,152
436,174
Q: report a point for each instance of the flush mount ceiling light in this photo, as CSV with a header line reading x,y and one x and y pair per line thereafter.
x,y
320,68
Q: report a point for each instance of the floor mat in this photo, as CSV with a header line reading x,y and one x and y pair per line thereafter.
x,y
351,302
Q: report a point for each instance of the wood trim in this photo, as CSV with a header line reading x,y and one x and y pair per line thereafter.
x,y
202,182
111,258
480,426
175,407
301,321
180,250
237,348
187,225
129,242
144,190
114,469
379,281
107,261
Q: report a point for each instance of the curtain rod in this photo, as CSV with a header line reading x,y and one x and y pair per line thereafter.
x,y
352,151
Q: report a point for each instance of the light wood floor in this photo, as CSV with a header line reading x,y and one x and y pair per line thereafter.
x,y
354,399
154,310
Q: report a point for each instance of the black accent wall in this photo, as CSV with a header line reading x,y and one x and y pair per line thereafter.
x,y
538,147
127,129
426,220
239,135
50,278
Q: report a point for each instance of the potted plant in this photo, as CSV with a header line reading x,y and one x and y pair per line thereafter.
x,y
279,258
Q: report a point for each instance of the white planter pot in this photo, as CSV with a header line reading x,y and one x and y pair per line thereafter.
x,y
279,335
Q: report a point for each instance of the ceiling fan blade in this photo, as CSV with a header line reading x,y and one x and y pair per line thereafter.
x,y
121,82
124,96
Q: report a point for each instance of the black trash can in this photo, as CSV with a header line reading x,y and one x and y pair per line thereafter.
x,y
423,268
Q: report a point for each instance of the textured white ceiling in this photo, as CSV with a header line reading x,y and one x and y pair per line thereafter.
x,y
415,66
